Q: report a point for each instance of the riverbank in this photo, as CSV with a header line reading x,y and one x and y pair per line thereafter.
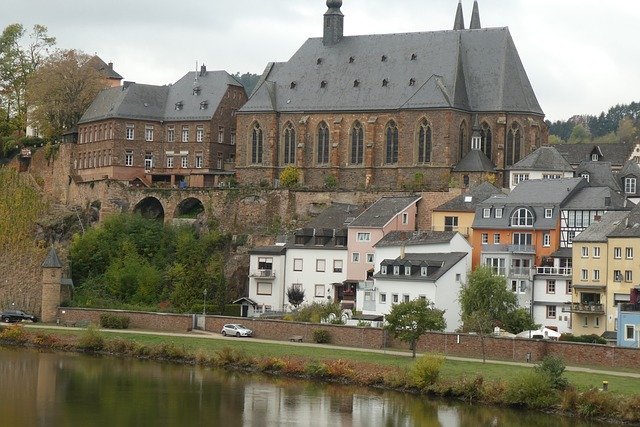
x,y
471,381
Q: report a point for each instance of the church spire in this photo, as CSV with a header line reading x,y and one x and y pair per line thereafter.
x,y
475,17
459,22
333,23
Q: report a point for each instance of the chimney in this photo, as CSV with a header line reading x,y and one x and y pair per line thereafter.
x,y
333,23
203,70
110,64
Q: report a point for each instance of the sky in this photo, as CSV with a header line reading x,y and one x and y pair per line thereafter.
x,y
581,56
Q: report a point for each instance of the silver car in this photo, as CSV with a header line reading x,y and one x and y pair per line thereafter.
x,y
235,329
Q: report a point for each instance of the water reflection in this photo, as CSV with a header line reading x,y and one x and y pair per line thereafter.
x,y
51,389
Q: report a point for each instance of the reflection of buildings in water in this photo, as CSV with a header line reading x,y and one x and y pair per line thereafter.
x,y
46,388
449,416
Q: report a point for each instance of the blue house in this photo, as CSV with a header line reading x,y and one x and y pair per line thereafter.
x,y
629,321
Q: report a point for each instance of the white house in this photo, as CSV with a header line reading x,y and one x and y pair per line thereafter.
x,y
544,163
552,288
266,279
411,265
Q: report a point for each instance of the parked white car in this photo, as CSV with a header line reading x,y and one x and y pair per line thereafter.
x,y
235,329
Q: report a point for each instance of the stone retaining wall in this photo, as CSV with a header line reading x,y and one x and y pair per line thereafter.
x,y
451,344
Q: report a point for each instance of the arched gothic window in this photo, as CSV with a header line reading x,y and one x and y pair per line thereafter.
x,y
522,217
462,140
357,144
514,143
256,144
323,144
424,142
289,145
485,146
392,143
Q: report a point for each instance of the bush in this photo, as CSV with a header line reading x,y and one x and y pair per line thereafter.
x,y
321,336
228,356
363,324
331,182
531,390
13,333
594,403
122,346
111,321
91,340
169,351
590,339
46,340
553,367
426,370
289,177
340,368
316,370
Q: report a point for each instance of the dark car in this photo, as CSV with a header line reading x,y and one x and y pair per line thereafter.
x,y
13,316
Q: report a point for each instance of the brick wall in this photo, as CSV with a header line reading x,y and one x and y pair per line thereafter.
x,y
450,344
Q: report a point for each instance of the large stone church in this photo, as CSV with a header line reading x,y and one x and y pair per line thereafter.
x,y
385,111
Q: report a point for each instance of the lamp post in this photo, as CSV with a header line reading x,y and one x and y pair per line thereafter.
x,y
204,302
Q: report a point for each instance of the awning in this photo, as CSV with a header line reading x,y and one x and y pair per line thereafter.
x,y
247,300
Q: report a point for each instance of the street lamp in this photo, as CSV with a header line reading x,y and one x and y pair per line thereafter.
x,y
204,302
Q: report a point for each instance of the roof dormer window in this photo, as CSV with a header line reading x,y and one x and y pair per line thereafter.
x,y
178,106
412,82
594,157
204,105
319,61
384,58
414,56
196,90
585,176
356,83
293,85
352,59
323,84
385,82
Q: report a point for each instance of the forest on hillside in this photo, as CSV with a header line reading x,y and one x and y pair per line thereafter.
x,y
620,124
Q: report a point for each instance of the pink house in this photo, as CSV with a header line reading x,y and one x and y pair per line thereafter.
x,y
384,216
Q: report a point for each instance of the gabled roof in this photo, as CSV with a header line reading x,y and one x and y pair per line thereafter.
x,y
410,238
472,70
630,168
52,260
629,226
598,231
445,261
337,216
544,191
545,158
475,161
600,174
383,211
616,154
159,103
596,198
107,69
468,201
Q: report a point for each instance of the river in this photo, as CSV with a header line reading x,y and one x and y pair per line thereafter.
x,y
64,389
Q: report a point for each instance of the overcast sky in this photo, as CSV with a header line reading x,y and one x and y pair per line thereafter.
x,y
581,56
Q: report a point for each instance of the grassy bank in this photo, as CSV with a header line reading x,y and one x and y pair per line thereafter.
x,y
494,384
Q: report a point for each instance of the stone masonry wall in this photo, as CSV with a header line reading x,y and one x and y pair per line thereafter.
x,y
451,344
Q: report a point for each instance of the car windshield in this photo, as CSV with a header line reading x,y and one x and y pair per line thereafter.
x,y
241,327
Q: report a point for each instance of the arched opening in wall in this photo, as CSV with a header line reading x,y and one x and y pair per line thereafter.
x,y
150,208
189,208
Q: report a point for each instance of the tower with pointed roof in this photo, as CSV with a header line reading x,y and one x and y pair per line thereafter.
x,y
384,111
51,286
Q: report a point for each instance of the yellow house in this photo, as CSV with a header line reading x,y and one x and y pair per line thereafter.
x,y
457,214
602,273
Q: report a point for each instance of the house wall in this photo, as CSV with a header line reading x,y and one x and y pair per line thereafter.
x,y
541,299
357,271
309,277
449,344
535,175
278,298
585,323
628,319
506,238
465,222
624,264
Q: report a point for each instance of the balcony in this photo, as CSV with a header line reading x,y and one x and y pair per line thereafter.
x,y
514,249
554,271
587,308
263,274
630,307
519,272
462,230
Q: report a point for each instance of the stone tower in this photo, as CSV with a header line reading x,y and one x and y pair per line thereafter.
x,y
333,23
51,286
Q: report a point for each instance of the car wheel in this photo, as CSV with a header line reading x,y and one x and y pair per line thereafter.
x,y
6,320
224,333
238,334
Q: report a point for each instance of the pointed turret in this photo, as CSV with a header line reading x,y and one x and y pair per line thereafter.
x,y
458,24
475,17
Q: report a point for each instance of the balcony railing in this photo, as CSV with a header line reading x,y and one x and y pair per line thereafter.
x,y
577,307
264,274
519,249
554,271
462,230
625,306
519,271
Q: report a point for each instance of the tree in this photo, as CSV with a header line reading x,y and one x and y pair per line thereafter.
x,y
408,321
580,134
626,130
480,322
19,58
554,139
487,292
248,80
519,320
61,90
295,295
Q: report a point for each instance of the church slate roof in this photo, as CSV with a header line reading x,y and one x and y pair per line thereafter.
x,y
158,103
468,201
545,158
475,161
52,260
472,70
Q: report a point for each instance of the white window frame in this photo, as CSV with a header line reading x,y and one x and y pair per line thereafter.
x,y
169,162
321,265
548,212
423,271
171,134
486,213
552,312
199,133
297,264
498,213
627,329
395,298
407,270
585,251
148,133
630,185
199,160
264,288
496,238
396,270
319,291
369,258
184,162
363,237
628,253
405,218
596,275
383,269
185,134
584,274
551,286
522,215
617,253
485,238
546,240
130,132
355,257
406,298
596,251
128,158
337,266
383,298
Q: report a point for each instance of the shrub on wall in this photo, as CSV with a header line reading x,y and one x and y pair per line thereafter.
x,y
321,336
112,321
